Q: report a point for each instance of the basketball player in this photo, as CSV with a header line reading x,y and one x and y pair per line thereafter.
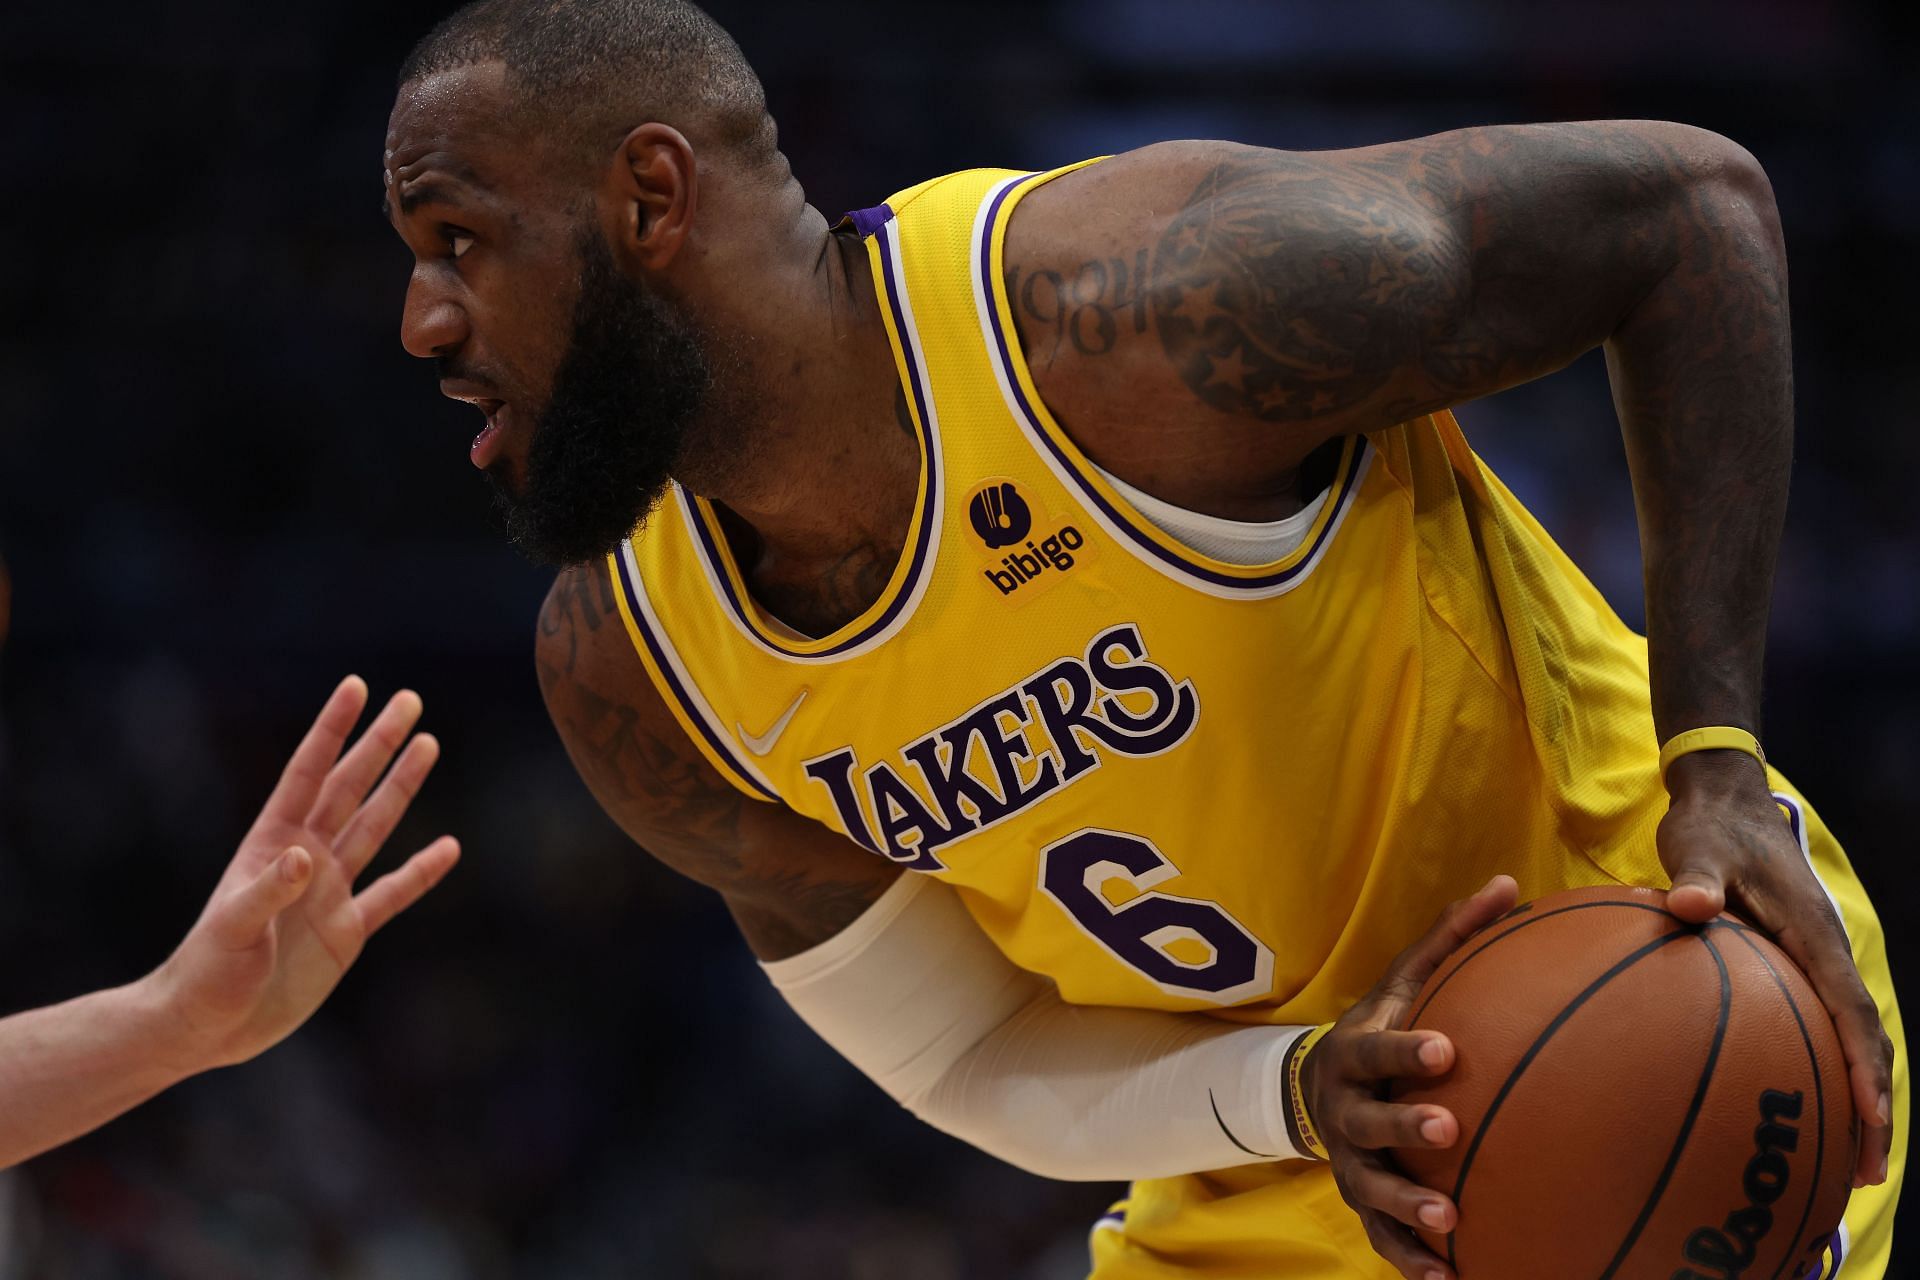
x,y
1097,546
282,927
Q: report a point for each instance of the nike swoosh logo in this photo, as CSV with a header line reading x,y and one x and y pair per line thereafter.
x,y
761,743
1230,1138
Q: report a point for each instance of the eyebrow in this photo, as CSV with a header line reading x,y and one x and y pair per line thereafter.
x,y
425,191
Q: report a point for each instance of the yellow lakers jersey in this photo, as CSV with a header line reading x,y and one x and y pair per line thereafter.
x,y
1159,779
1167,781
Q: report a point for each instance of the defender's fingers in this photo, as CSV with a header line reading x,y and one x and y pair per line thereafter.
x,y
397,890
347,785
375,820
306,770
241,921
1376,1126
1382,1055
1458,922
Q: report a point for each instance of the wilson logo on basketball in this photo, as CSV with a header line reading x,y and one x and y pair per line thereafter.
x,y
1726,1251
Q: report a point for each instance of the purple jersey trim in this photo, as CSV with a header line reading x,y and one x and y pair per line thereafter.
x,y
1305,561
1796,821
868,221
923,536
721,747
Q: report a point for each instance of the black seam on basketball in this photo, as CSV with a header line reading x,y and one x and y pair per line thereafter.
x,y
1230,1138
1414,1018
1819,1094
1540,1042
1693,1112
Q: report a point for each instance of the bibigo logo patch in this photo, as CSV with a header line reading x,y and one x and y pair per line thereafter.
x,y
1021,562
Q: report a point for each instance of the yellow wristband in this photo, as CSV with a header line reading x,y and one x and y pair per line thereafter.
x,y
1309,1137
1714,737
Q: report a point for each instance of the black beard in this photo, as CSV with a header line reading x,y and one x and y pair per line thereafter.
x,y
634,376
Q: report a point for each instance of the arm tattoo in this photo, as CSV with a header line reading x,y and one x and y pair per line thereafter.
x,y
1334,293
577,599
1365,289
1087,309
638,775
1287,296
790,882
1389,282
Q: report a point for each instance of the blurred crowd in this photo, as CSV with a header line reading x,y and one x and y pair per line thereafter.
x,y
222,485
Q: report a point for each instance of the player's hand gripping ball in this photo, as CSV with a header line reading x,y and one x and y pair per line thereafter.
x,y
1349,1070
1636,1097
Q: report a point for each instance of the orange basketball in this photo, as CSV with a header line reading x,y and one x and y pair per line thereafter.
x,y
1639,1098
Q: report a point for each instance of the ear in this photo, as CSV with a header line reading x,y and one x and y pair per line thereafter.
x,y
656,191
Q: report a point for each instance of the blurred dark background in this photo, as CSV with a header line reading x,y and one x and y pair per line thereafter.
x,y
223,484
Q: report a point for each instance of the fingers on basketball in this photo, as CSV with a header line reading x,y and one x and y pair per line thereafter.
x,y
1598,1004
1457,922
1818,943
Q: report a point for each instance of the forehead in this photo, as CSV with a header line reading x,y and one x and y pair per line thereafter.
x,y
451,123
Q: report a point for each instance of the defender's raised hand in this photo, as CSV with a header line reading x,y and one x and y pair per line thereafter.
x,y
284,923
1346,1074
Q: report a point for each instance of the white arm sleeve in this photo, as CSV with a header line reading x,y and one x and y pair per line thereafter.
x,y
918,997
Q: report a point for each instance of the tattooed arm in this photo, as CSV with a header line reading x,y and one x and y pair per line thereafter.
x,y
1202,316
1296,297
1195,307
790,882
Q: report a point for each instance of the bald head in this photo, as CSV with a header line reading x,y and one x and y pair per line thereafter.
x,y
583,73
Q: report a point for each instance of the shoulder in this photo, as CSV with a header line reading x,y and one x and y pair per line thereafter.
x,y
1147,294
1142,188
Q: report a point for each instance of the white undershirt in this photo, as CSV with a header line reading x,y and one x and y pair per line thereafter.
x,y
1228,541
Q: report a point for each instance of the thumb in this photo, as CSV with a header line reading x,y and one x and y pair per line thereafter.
x,y
1698,894
241,921
1412,967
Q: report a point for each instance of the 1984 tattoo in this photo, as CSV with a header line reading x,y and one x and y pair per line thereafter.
x,y
1088,308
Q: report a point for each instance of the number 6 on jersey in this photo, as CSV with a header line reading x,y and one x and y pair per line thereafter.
x,y
1184,946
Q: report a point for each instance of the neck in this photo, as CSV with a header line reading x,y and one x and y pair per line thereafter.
x,y
820,505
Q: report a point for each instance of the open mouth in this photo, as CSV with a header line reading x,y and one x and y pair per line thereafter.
x,y
486,446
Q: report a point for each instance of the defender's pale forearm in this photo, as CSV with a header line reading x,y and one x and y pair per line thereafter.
x,y
69,1068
